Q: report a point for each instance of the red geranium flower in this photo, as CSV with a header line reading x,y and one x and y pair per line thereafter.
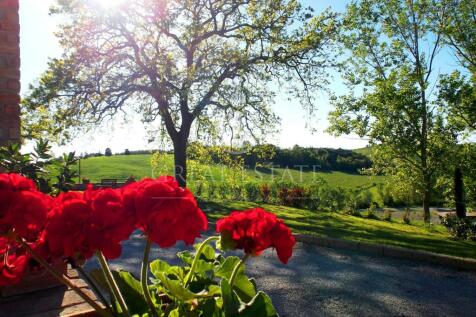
x,y
13,262
81,223
9,184
166,212
28,213
110,221
68,225
21,206
256,230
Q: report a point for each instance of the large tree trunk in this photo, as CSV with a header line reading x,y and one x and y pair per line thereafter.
x,y
460,203
180,160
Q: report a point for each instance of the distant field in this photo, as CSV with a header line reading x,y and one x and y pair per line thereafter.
x,y
364,151
121,167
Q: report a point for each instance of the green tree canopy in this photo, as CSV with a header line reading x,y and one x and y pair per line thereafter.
x,y
393,46
195,66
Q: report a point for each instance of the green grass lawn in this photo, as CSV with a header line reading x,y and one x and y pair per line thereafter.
x,y
334,225
122,166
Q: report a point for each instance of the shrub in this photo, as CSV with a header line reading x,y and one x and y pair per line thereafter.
x,y
130,179
127,152
283,196
387,216
265,192
406,216
460,228
297,197
371,213
108,152
252,191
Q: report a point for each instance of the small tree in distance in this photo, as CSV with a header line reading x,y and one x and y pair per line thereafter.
x,y
108,152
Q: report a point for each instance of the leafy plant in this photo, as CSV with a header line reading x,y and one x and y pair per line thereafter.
x,y
371,213
66,174
406,216
387,216
460,228
32,165
40,166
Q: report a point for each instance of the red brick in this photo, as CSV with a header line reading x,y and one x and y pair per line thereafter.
x,y
11,110
14,85
9,71
12,4
9,99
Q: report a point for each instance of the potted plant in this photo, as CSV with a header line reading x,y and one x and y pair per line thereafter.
x,y
76,226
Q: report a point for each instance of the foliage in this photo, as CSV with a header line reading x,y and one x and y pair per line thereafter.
x,y
371,213
387,216
406,216
40,166
66,174
460,228
459,28
389,72
32,165
108,152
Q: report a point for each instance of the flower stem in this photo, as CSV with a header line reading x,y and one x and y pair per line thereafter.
x,y
189,276
113,284
64,280
143,277
93,285
237,269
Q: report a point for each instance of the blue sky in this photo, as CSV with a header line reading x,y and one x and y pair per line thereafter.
x,y
38,43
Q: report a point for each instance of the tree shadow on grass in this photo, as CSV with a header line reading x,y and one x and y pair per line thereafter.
x,y
347,227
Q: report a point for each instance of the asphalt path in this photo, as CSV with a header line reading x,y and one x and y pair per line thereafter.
x,y
321,281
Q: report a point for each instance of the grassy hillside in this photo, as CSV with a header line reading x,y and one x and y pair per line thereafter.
x,y
419,237
122,166
364,151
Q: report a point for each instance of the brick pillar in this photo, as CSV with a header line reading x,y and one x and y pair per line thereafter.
x,y
9,72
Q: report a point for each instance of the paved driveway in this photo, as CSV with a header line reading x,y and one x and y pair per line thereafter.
x,y
334,282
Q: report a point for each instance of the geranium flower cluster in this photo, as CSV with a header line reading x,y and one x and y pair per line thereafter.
x,y
76,225
256,230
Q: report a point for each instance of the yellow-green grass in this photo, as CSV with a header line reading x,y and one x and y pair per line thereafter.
x,y
334,225
121,167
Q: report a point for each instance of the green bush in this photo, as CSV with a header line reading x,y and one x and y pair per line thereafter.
x,y
460,228
406,216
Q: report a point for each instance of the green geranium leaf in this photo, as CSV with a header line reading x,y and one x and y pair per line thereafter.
x,y
209,308
245,289
231,303
207,252
186,257
159,266
175,289
130,287
203,267
261,305
174,313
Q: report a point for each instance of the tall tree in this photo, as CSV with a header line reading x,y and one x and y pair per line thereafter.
x,y
392,49
459,28
191,64
458,91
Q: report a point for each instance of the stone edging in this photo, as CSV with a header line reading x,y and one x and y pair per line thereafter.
x,y
391,251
